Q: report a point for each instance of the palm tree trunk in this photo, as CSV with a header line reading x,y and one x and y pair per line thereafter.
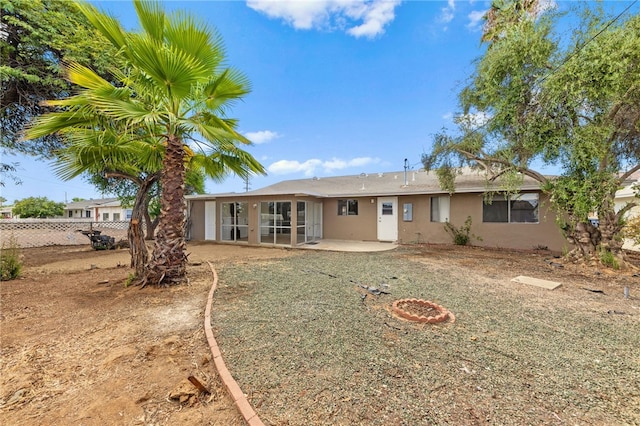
x,y
169,260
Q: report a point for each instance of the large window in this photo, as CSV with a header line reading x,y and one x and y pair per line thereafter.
x,y
522,208
440,208
347,207
235,221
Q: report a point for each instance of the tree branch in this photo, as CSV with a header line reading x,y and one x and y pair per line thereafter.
x,y
524,170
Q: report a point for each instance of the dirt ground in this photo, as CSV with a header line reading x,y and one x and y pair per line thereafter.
x,y
81,347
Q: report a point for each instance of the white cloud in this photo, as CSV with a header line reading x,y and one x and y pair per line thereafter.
x,y
474,120
310,167
476,20
361,18
262,136
447,13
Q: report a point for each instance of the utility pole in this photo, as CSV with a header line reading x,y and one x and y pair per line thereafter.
x,y
247,187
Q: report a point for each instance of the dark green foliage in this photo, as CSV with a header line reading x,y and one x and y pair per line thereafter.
x,y
41,35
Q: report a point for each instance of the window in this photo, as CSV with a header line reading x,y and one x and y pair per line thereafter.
x,y
70,213
87,213
407,212
128,213
105,216
347,207
521,208
116,216
440,208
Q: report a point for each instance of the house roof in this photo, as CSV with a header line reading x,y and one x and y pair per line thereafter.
x,y
374,184
88,204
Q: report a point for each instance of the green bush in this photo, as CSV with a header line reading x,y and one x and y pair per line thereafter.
x,y
608,259
10,262
461,235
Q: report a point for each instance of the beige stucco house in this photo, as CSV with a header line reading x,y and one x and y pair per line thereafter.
x,y
403,207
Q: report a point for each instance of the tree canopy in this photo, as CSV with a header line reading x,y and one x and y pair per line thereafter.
x,y
37,207
574,104
39,36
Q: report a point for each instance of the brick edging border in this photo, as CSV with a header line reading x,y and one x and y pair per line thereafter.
x,y
239,398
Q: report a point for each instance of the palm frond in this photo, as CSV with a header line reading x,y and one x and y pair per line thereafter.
x,y
152,18
227,88
196,39
106,24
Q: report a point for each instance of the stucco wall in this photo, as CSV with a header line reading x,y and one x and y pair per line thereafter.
x,y
362,227
507,235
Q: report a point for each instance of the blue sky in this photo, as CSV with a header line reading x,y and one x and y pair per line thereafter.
x,y
339,86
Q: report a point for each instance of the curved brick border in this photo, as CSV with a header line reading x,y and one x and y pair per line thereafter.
x,y
443,313
239,398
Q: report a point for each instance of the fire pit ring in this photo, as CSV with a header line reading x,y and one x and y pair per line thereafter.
x,y
419,310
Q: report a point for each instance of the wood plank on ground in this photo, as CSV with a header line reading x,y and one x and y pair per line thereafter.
x,y
549,285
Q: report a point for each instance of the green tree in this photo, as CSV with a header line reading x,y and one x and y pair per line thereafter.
x,y
37,207
575,106
38,36
174,88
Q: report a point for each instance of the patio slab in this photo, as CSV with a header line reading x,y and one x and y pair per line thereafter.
x,y
348,245
549,285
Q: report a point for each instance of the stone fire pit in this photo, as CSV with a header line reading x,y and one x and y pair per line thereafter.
x,y
419,310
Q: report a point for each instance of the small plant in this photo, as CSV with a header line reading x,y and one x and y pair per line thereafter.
x,y
608,259
10,261
130,279
461,235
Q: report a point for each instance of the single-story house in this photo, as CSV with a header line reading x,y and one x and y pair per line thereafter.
x,y
628,194
403,207
6,212
101,210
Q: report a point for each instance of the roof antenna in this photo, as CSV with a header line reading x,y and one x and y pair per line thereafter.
x,y
406,167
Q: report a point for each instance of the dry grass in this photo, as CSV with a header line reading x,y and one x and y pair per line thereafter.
x,y
309,350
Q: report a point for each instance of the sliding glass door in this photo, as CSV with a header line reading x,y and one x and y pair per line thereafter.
x,y
275,222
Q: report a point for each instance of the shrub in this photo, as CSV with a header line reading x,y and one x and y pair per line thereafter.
x,y
10,262
461,235
609,259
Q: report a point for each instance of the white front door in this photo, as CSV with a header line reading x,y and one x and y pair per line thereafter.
x,y
388,219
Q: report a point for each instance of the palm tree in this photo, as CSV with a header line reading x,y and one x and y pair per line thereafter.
x,y
173,87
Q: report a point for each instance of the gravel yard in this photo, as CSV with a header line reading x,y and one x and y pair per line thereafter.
x,y
310,346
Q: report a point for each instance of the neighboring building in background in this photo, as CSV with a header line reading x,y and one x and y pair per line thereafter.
x,y
407,207
628,195
102,210
6,212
